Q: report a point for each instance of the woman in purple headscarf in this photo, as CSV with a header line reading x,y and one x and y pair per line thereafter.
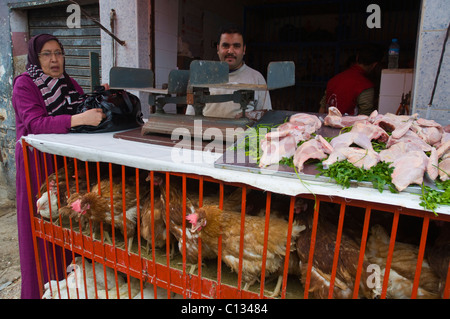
x,y
44,99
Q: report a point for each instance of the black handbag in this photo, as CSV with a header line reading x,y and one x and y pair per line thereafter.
x,y
122,110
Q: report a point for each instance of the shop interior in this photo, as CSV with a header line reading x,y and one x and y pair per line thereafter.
x,y
319,36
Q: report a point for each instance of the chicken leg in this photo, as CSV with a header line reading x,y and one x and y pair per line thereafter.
x,y
276,292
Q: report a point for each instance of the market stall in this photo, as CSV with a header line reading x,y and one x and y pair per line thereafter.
x,y
141,270
203,207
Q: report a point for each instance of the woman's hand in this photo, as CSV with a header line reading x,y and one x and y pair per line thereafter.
x,y
91,117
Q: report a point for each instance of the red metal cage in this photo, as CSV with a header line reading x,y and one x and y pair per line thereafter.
x,y
336,255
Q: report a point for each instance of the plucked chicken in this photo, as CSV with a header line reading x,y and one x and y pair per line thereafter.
x,y
316,148
282,142
275,149
362,158
409,168
335,119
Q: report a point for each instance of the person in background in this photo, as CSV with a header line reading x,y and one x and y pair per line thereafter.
x,y
352,91
231,49
45,101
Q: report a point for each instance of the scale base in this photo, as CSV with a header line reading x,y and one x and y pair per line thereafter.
x,y
199,127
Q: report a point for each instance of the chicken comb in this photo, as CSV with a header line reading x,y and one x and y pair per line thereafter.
x,y
192,218
52,186
76,205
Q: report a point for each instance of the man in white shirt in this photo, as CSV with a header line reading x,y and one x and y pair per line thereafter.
x,y
231,49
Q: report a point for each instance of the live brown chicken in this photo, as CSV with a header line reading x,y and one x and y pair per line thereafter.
x,y
212,222
324,248
173,201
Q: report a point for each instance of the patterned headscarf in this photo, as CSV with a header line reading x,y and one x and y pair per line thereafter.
x,y
60,96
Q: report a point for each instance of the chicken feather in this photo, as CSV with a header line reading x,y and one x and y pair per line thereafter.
x,y
321,267
175,206
212,222
159,224
403,267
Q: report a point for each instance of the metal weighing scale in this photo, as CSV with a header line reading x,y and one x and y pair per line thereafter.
x,y
193,87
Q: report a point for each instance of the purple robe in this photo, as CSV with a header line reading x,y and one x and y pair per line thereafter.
x,y
32,118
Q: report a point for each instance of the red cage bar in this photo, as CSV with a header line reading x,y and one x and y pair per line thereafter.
x,y
135,268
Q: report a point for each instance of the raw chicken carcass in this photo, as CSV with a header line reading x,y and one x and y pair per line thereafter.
x,y
444,169
396,151
275,149
359,157
349,138
362,135
443,149
445,138
409,168
317,148
283,141
433,165
306,122
335,119
398,125
409,137
301,133
373,132
428,130
390,154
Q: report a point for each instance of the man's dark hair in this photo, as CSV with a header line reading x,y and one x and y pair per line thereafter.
x,y
230,29
369,54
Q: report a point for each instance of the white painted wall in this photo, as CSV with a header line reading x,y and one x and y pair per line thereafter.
x,y
435,18
166,42
132,25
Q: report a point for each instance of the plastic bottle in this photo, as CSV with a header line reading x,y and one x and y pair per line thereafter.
x,y
394,52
